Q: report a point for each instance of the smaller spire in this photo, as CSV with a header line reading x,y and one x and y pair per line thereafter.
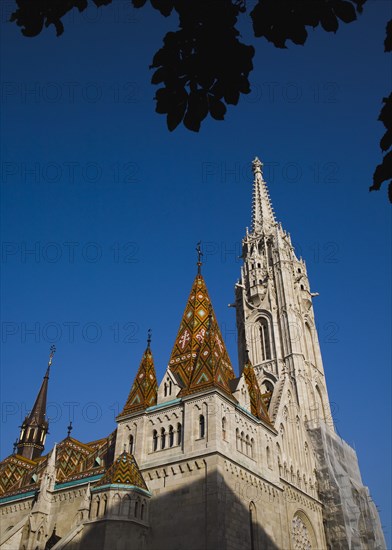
x,y
35,425
199,255
144,390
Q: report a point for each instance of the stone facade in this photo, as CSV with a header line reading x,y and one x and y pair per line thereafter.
x,y
205,459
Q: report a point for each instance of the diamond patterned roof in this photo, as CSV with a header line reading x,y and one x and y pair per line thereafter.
x,y
144,391
199,356
257,405
124,471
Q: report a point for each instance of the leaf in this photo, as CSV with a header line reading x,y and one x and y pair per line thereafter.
x,y
386,140
345,11
328,21
158,76
382,172
217,108
175,115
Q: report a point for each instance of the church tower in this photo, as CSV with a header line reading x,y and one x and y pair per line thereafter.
x,y
35,426
275,318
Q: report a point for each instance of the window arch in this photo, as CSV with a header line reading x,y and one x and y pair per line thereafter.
x,y
154,440
131,444
171,436
247,445
265,339
224,428
163,438
302,533
202,426
252,443
310,345
321,409
252,525
269,461
179,434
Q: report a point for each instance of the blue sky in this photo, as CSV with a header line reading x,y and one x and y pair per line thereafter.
x,y
112,204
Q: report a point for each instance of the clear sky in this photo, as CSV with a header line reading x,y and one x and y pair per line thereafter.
x,y
112,205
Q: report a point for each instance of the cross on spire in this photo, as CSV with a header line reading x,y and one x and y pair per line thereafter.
x,y
69,428
149,332
199,255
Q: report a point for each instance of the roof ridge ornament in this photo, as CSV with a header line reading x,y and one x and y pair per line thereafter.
x,y
149,333
199,255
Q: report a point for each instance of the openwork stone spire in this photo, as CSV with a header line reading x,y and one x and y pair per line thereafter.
x,y
262,212
143,393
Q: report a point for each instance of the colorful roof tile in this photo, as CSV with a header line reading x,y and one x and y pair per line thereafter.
x,y
123,471
257,404
144,391
199,357
12,470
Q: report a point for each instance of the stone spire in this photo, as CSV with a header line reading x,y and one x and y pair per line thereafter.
x,y
263,217
144,390
35,425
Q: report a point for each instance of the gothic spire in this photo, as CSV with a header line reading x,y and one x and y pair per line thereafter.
x,y
35,425
144,390
197,322
212,366
262,212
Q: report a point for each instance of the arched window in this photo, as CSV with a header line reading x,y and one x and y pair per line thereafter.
x,y
163,438
242,441
237,439
171,436
321,409
224,428
142,511
155,440
247,450
252,443
252,525
165,389
265,344
170,387
309,345
105,504
269,461
179,434
136,507
202,426
131,444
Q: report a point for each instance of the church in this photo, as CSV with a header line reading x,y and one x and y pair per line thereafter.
x,y
206,457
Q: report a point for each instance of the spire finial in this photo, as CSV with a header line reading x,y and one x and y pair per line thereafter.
x,y
52,352
257,165
149,332
199,255
69,428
